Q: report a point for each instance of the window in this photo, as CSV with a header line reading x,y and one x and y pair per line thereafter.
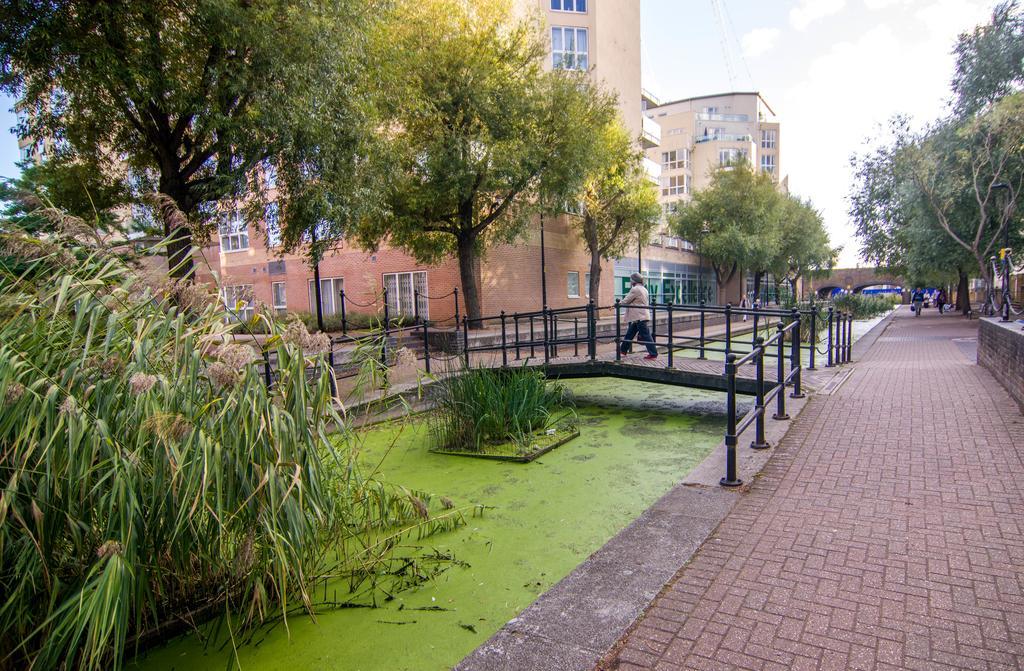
x,y
768,163
710,110
670,207
768,139
271,222
675,159
676,185
239,302
574,284
569,48
727,156
569,5
280,301
586,284
402,288
331,289
234,233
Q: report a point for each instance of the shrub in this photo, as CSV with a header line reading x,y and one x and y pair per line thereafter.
x,y
482,407
149,474
865,306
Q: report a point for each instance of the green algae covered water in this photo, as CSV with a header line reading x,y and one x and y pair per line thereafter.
x,y
543,519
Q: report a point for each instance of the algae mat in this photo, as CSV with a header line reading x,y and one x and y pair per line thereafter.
x,y
543,519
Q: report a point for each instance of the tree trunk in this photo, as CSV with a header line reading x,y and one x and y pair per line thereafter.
x,y
593,246
469,274
179,244
963,297
757,284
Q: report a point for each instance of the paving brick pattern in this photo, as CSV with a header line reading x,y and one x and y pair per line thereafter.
x,y
887,532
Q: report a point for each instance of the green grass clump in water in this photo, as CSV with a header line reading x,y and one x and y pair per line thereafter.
x,y
542,520
482,410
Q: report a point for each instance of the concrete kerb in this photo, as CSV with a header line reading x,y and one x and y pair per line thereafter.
x,y
575,623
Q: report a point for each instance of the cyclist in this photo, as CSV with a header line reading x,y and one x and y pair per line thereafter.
x,y
917,300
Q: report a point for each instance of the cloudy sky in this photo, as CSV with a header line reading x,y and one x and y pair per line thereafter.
x,y
833,70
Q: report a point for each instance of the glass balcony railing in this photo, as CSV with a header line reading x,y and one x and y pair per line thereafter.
x,y
723,137
651,131
704,116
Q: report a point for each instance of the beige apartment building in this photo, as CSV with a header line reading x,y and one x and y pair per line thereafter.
x,y
698,136
600,36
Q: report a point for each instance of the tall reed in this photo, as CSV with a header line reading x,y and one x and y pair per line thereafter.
x,y
481,407
148,475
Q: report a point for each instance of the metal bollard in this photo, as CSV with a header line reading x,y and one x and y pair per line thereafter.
x,y
730,479
780,360
759,442
795,363
829,363
814,334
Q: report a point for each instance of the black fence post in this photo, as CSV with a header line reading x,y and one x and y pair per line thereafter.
x,y
547,350
504,343
795,362
465,340
344,320
814,333
554,334
267,377
753,338
426,346
387,326
515,323
618,330
654,321
759,442
829,362
841,353
728,329
671,335
575,336
730,479
455,291
592,329
701,328
533,351
780,359
415,306
849,337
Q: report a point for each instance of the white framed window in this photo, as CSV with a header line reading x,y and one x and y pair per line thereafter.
x,y
330,295
272,224
569,50
234,232
768,163
573,284
403,289
710,110
586,284
768,139
279,296
239,301
578,6
727,156
675,159
675,185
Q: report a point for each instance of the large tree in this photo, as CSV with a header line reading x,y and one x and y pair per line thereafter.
x,y
735,220
619,202
483,137
989,60
803,242
191,97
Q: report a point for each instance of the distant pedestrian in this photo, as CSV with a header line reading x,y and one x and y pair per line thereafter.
x,y
638,317
744,306
941,298
917,301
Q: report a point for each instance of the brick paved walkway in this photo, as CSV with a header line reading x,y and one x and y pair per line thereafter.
x,y
885,533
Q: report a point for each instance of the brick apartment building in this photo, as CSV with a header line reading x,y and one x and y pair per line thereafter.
x,y
604,37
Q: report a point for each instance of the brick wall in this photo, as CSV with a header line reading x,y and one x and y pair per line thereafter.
x,y
1001,351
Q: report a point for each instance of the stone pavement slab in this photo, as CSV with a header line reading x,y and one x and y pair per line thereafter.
x,y
885,533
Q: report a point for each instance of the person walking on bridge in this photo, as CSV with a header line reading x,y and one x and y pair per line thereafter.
x,y
638,317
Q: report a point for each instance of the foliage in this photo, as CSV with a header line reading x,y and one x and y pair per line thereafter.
x,y
990,60
192,98
151,477
478,131
864,306
478,408
735,221
620,204
803,242
70,187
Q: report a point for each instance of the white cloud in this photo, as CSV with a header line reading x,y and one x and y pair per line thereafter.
x,y
807,12
858,84
875,5
759,41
